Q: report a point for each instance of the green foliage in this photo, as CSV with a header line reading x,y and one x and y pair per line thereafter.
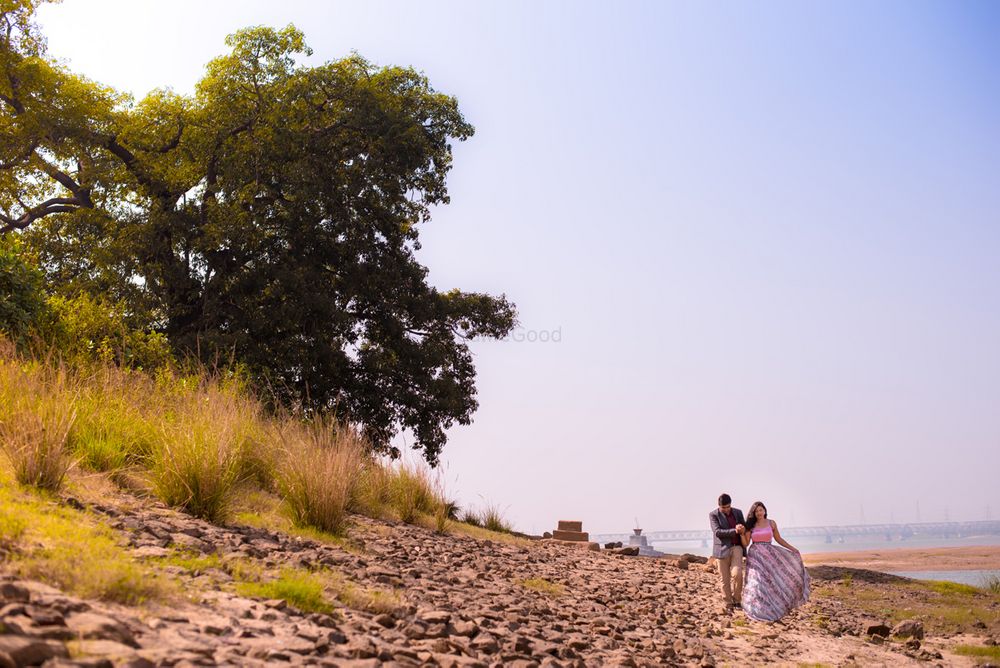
x,y
22,299
273,216
85,329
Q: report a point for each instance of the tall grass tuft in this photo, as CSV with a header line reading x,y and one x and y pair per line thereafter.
x,y
413,491
199,461
320,467
991,583
494,520
36,415
373,493
470,516
119,419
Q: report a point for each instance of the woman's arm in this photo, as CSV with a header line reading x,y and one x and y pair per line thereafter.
x,y
779,540
745,538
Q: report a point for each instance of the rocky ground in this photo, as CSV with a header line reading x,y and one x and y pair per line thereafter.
x,y
456,601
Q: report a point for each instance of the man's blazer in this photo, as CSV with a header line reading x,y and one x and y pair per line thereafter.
x,y
724,537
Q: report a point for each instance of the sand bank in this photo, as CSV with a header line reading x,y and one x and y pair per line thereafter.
x,y
913,559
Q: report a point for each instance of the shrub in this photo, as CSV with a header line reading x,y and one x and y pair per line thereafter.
x,y
320,466
22,299
84,329
991,583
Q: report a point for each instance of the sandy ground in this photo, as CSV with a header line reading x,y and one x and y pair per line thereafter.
x,y
913,559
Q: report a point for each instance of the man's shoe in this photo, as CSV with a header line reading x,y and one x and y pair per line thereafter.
x,y
738,606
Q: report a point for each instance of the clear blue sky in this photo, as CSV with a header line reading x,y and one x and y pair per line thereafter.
x,y
768,236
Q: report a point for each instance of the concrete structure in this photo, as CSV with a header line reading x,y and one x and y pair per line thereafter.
x,y
571,531
639,541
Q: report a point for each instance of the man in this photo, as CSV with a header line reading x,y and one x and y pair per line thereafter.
x,y
728,526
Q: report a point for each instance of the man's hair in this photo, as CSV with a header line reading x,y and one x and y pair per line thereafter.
x,y
725,500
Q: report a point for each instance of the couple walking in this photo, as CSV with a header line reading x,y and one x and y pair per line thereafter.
x,y
776,579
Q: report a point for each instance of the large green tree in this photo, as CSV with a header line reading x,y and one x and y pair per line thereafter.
x,y
272,216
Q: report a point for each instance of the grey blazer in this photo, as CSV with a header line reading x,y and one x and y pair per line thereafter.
x,y
724,537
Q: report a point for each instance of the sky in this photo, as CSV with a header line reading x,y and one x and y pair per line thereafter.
x,y
755,248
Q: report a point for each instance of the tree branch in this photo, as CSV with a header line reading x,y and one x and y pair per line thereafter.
x,y
48,207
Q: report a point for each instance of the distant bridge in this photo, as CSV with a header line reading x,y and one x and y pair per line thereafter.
x,y
837,533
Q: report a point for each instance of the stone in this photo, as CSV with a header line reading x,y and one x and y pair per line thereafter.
x,y
151,552
485,643
570,525
575,536
92,626
44,616
30,651
435,617
12,591
107,649
909,628
879,629
190,542
465,628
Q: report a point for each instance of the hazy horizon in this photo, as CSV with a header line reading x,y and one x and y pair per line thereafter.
x,y
767,236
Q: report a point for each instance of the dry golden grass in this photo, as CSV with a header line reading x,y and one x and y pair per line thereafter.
x,y
199,440
35,422
544,586
320,466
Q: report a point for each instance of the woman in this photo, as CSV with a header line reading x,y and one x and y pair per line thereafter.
x,y
776,578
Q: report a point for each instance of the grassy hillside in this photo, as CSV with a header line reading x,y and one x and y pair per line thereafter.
x,y
203,443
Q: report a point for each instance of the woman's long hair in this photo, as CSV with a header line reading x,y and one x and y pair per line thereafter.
x,y
752,515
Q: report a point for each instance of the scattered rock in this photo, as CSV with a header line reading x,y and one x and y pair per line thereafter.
x,y
909,628
880,629
92,626
24,651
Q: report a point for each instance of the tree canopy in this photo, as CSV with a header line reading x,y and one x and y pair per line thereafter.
x,y
272,217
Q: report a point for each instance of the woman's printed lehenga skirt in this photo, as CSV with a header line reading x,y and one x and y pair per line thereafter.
x,y
777,581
